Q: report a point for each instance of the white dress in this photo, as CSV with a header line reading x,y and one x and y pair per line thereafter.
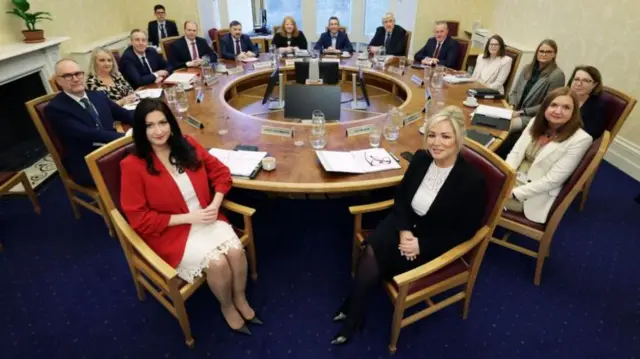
x,y
205,242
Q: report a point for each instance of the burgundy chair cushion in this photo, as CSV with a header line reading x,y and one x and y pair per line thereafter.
x,y
49,128
109,167
116,56
445,273
520,218
494,178
212,34
453,28
6,176
613,108
463,44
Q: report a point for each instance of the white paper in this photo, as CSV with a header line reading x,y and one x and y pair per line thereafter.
x,y
362,161
149,93
456,79
330,59
495,112
131,106
240,163
180,77
249,59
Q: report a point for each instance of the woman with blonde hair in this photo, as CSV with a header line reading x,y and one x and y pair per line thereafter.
x,y
439,204
289,38
104,76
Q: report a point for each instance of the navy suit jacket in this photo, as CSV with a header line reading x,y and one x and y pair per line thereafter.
x,y
77,130
180,55
448,55
397,43
169,26
227,46
137,74
342,42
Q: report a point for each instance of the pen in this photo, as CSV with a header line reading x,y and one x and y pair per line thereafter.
x,y
394,157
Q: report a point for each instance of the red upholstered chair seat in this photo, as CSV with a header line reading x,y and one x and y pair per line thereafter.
x,y
6,176
443,274
462,53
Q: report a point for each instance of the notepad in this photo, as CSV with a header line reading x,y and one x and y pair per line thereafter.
x,y
249,59
180,77
240,163
362,161
482,138
496,112
457,79
149,93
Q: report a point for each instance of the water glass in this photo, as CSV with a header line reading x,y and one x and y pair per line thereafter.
x,y
428,72
317,122
402,62
318,141
182,102
222,121
208,75
374,137
170,94
391,132
437,80
381,57
197,83
298,140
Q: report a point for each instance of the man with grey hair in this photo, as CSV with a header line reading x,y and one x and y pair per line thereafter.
x,y
82,120
441,49
390,36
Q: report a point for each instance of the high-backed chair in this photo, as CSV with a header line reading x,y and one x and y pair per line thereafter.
x,y
116,55
219,34
148,270
457,268
340,28
213,35
77,194
543,233
617,106
515,56
453,27
463,53
165,44
8,180
407,41
54,85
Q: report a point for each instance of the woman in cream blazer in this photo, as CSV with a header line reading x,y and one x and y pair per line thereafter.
x,y
547,153
492,69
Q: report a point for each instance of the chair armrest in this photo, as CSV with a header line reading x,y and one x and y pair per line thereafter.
x,y
372,207
141,247
442,261
238,208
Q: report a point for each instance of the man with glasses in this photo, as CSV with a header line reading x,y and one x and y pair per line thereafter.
x,y
441,49
160,28
82,120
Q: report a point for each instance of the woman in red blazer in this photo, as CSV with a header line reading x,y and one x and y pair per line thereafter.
x,y
167,198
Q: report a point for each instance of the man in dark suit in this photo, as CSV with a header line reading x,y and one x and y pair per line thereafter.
x,y
441,49
141,65
189,50
237,45
161,28
393,37
82,120
334,40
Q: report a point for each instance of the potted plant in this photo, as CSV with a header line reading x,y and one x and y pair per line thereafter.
x,y
31,35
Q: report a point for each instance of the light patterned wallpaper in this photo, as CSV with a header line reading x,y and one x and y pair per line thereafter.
x,y
594,32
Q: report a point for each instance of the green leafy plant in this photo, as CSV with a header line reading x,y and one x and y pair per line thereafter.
x,y
30,19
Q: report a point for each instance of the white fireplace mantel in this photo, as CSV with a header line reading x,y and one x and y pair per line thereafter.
x,y
20,59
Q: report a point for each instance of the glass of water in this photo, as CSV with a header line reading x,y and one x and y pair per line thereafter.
x,y
374,137
170,94
428,72
222,120
298,140
318,140
182,103
402,62
391,131
381,56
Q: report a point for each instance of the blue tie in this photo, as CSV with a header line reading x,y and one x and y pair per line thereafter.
x,y
92,111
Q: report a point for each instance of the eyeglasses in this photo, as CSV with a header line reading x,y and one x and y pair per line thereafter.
x,y
583,81
376,161
494,45
79,75
545,52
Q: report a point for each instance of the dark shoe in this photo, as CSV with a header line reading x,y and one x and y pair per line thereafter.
x,y
341,314
255,320
346,333
339,317
243,330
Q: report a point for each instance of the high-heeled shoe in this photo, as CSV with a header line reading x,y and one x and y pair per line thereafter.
x,y
341,314
346,333
243,330
255,320
339,317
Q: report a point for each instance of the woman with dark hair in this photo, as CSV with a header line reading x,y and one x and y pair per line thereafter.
x,y
168,200
547,153
493,67
289,38
586,83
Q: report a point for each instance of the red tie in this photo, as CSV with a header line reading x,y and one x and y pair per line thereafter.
x,y
437,52
194,50
238,50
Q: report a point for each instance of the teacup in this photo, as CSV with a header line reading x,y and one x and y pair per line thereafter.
x,y
269,163
471,101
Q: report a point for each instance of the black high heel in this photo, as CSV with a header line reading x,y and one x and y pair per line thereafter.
x,y
243,330
255,320
346,333
341,314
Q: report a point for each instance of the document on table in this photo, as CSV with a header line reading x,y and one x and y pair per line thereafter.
x,y
240,163
180,77
362,161
249,59
149,93
457,79
495,112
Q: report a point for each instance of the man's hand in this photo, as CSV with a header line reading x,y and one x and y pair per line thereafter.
x,y
162,73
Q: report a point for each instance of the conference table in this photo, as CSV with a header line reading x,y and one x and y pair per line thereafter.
x,y
238,98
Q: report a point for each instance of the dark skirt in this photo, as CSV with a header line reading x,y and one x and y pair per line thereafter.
x,y
384,241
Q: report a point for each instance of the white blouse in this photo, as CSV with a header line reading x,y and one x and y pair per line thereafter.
x,y
492,72
429,188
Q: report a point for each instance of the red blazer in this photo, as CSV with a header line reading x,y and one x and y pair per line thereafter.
x,y
148,201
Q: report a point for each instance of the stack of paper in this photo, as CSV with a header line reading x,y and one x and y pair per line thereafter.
x,y
180,78
495,112
457,79
249,59
149,93
362,161
240,163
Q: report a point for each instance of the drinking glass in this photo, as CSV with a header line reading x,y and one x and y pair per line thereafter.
x,y
402,62
182,102
374,137
298,140
170,94
197,84
317,122
391,132
208,75
222,121
428,72
318,141
381,56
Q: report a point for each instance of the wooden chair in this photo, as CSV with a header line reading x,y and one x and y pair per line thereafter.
x,y
148,270
166,43
407,40
453,27
618,106
340,28
54,85
220,33
456,268
543,233
214,39
515,56
55,148
8,180
463,53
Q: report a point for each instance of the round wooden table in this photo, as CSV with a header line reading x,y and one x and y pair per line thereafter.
x,y
298,170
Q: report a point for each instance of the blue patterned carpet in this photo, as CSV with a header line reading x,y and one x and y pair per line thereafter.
x,y
67,293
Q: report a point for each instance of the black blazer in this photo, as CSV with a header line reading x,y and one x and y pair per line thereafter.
x,y
137,74
281,41
456,213
227,46
180,55
78,132
593,116
448,55
397,43
342,42
152,29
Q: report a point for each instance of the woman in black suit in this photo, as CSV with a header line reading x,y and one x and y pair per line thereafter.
x,y
439,204
289,38
586,82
